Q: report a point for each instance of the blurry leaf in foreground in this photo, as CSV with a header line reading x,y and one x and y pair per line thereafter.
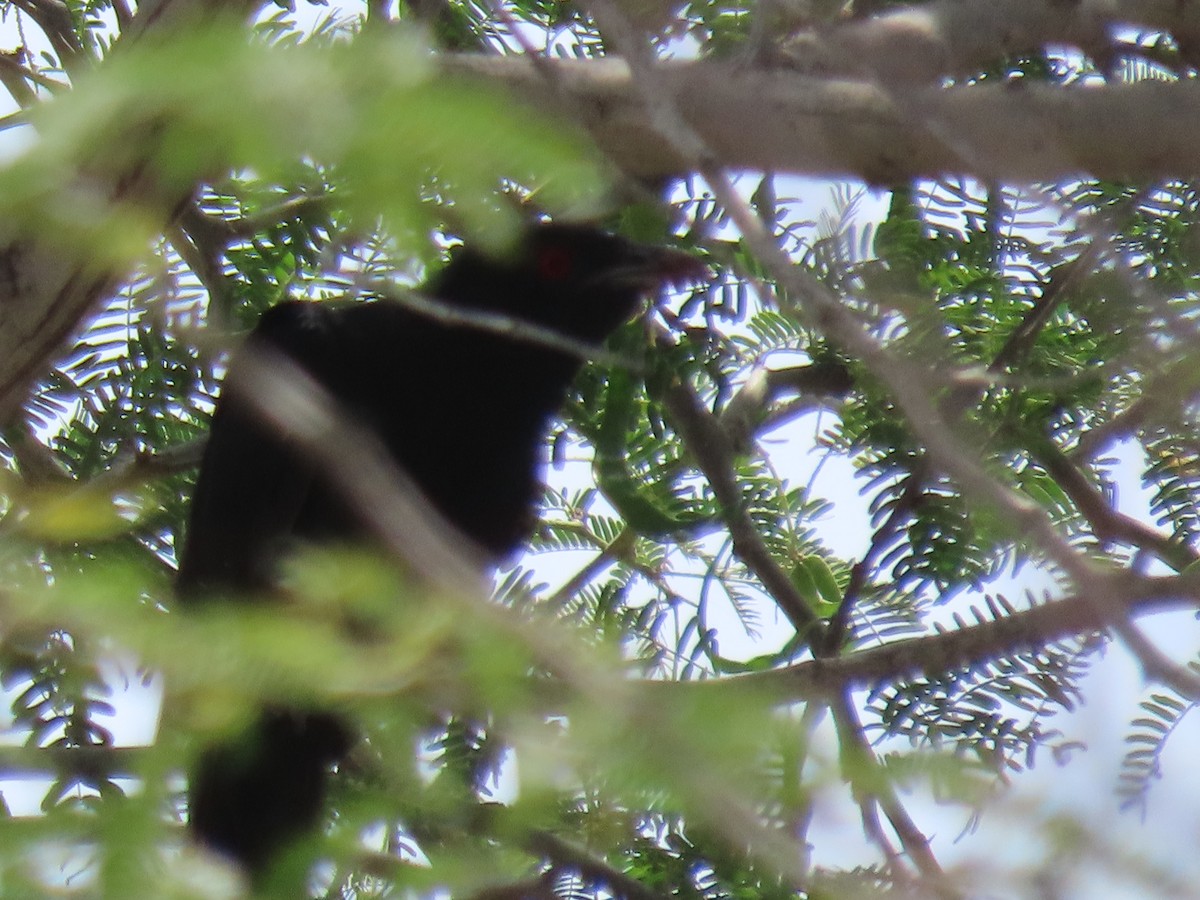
x,y
73,512
144,128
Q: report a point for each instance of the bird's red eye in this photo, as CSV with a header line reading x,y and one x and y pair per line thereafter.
x,y
554,263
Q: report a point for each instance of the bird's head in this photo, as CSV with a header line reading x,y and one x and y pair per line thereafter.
x,y
575,279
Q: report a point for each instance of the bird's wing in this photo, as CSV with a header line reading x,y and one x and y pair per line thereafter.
x,y
253,482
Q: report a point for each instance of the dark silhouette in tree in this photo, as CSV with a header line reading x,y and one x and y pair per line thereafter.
x,y
461,408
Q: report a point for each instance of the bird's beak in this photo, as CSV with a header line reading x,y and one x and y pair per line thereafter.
x,y
650,269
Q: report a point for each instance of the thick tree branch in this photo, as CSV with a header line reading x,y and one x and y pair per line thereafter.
x,y
958,38
49,288
838,128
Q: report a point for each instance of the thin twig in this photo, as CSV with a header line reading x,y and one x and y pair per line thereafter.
x,y
1161,392
292,208
874,786
708,443
1107,523
508,327
860,574
608,554
567,855
204,259
54,18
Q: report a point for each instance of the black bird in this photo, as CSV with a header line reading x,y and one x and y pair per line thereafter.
x,y
462,409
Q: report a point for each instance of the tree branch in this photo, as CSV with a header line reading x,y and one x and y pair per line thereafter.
x,y
872,788
932,655
936,654
1109,524
852,128
98,763
48,288
959,38
54,19
711,448
566,855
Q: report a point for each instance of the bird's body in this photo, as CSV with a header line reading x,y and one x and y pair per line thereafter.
x,y
463,410
436,408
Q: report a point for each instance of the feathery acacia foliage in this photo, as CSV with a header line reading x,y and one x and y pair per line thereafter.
x,y
696,659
